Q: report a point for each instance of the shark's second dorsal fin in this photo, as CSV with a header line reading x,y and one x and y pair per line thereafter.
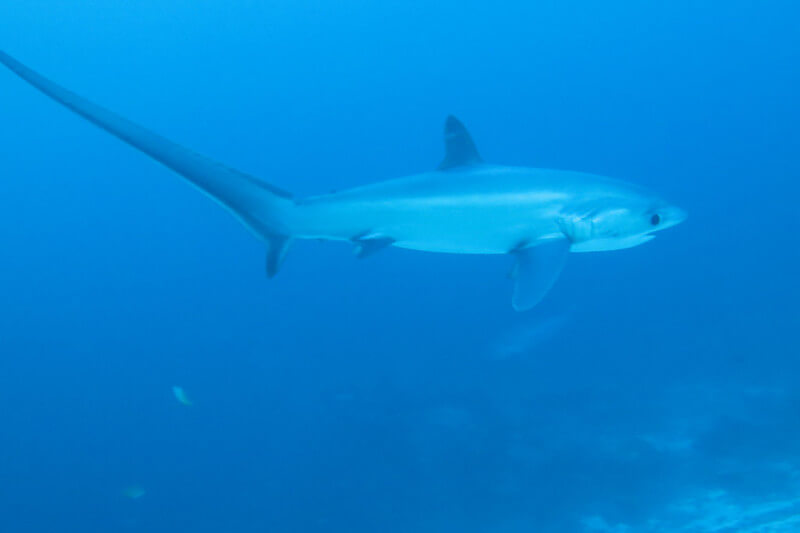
x,y
459,149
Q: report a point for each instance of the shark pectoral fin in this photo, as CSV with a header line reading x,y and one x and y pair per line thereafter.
x,y
368,245
536,271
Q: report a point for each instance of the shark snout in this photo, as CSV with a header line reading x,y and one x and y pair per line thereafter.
x,y
673,215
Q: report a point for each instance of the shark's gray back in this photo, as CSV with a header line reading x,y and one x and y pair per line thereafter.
x,y
484,180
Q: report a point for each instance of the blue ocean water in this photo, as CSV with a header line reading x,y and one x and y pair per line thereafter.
x,y
654,390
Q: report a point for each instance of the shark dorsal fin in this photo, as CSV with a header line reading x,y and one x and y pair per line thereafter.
x,y
459,149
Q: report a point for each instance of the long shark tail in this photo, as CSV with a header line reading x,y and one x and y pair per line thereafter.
x,y
265,209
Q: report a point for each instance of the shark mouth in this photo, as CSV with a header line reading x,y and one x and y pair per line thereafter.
x,y
611,243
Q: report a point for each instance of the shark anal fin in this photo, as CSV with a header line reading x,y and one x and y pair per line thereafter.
x,y
536,270
459,148
366,246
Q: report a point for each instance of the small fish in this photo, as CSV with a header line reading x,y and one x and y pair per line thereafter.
x,y
134,492
181,396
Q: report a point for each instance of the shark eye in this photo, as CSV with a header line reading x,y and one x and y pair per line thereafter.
x,y
655,220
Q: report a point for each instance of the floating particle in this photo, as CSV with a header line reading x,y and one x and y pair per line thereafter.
x,y
134,492
181,396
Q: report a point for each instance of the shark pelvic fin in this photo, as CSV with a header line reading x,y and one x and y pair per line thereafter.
x,y
536,270
368,245
459,148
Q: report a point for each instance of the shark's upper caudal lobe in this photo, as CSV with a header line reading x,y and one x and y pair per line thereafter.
x,y
464,206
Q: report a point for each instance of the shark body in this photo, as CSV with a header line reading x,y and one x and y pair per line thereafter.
x,y
464,206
